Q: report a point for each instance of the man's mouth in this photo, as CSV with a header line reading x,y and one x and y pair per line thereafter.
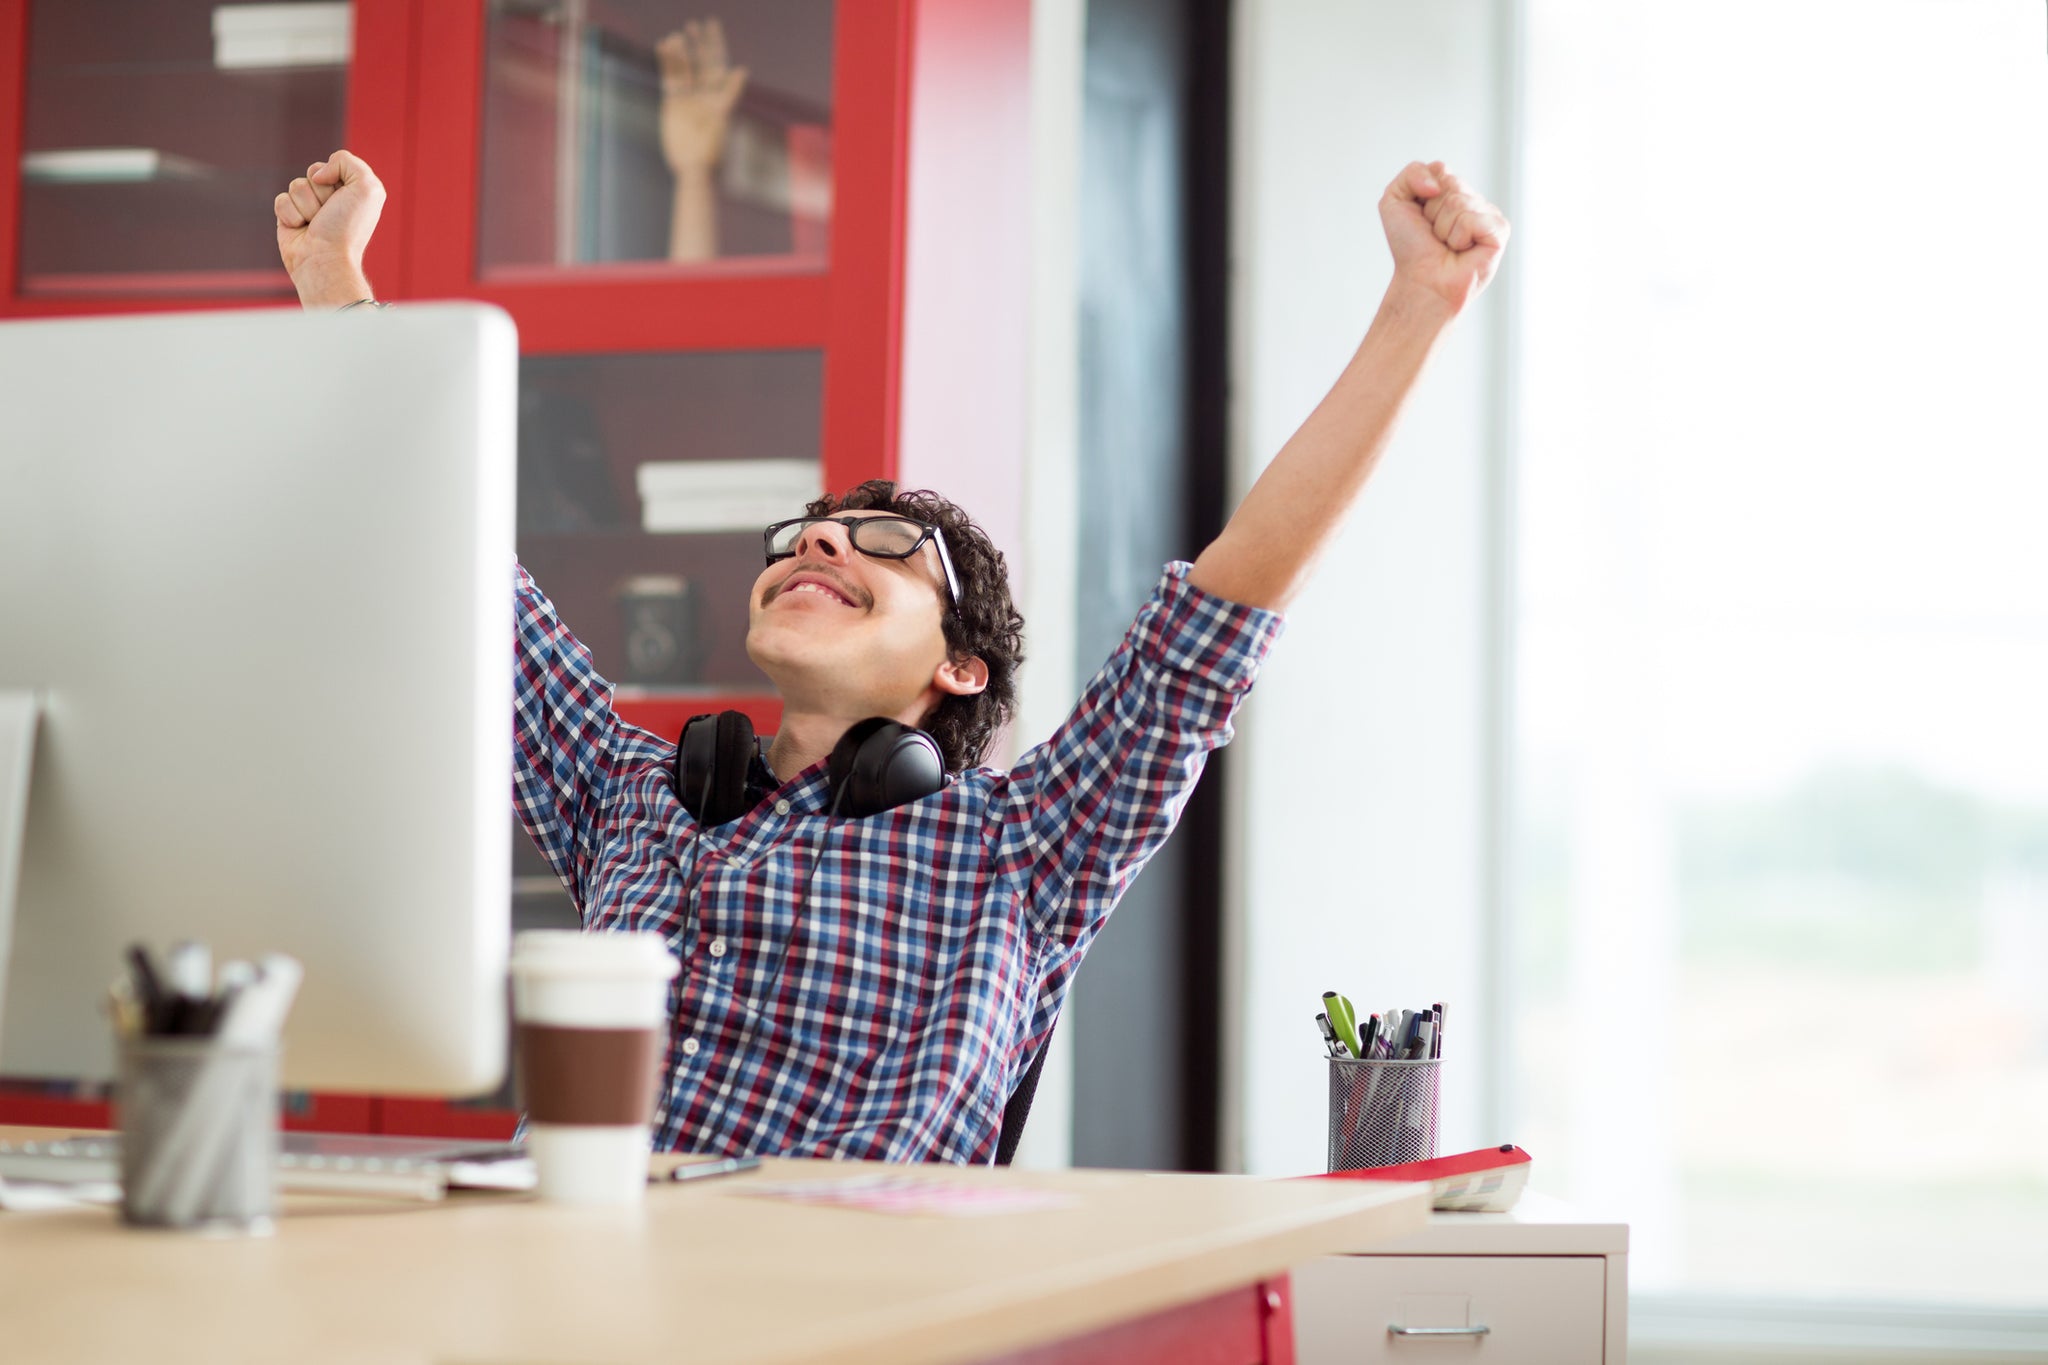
x,y
817,585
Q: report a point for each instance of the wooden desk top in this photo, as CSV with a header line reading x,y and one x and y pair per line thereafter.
x,y
699,1272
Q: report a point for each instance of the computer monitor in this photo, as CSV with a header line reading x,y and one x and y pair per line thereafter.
x,y
256,592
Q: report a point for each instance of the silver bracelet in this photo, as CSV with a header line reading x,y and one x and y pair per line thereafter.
x,y
359,303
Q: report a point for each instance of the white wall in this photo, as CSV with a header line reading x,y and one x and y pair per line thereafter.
x,y
990,383
1366,771
1051,472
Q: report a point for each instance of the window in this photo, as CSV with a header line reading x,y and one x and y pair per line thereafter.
x,y
1782,637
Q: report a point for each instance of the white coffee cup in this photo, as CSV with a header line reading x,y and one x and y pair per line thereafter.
x,y
591,1013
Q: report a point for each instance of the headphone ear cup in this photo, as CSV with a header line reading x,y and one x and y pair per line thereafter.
x,y
713,756
880,764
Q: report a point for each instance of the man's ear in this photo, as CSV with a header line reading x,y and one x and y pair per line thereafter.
x,y
961,677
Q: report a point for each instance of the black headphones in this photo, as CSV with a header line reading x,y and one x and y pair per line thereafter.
x,y
877,765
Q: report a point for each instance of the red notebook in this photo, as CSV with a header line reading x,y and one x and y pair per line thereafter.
x,y
1488,1180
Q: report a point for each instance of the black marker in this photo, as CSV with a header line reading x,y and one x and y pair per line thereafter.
x,y
149,992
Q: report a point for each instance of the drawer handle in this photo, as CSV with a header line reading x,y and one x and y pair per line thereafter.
x,y
1481,1330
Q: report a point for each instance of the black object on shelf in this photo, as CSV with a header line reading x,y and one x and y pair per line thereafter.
x,y
565,481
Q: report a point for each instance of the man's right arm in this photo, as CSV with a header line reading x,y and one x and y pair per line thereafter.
x,y
563,726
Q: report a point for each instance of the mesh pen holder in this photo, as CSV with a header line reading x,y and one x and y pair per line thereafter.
x,y
1382,1113
199,1144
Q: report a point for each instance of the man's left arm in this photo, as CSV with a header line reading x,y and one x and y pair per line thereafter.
x,y
1446,241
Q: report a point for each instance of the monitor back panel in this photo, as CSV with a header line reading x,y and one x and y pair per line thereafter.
x,y
256,566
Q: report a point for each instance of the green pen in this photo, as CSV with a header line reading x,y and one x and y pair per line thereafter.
x,y
1343,1020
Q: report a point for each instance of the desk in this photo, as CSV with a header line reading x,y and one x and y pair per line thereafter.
x,y
698,1273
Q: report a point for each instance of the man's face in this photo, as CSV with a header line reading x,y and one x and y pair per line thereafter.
x,y
842,631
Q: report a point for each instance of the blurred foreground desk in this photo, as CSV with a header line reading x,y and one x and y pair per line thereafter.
x,y
1139,1267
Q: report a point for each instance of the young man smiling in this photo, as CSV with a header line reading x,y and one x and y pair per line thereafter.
x,y
875,987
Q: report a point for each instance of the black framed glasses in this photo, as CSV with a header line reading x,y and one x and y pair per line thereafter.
x,y
884,537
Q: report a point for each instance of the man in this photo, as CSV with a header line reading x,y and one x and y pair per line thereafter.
x,y
874,987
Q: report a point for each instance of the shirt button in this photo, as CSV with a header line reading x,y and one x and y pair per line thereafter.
x,y
690,1048
782,807
718,947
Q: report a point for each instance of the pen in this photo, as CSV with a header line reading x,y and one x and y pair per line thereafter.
x,y
1369,1036
189,968
188,972
1331,1042
1342,1019
1424,1032
704,1170
148,993
1411,1022
234,978
126,1014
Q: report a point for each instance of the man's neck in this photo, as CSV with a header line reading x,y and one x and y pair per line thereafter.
x,y
802,740
806,737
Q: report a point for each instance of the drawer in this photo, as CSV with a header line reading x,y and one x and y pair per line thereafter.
x,y
1538,1310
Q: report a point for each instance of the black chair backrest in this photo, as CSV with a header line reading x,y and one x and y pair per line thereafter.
x,y
1019,1107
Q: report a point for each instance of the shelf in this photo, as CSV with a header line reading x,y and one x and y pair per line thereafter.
x,y
129,70
177,283
724,269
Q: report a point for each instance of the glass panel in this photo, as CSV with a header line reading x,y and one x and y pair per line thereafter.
x,y
157,133
644,482
649,130
1783,628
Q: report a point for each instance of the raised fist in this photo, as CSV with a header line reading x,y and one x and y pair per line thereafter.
x,y
1446,238
325,219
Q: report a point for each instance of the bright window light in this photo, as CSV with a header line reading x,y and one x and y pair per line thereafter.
x,y
1781,698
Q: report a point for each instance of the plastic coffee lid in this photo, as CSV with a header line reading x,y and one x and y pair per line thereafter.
x,y
572,952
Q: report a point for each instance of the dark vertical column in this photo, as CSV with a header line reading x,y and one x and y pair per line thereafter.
x,y
1153,210
1207,505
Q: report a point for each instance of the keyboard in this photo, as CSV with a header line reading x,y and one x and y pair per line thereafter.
x,y
317,1163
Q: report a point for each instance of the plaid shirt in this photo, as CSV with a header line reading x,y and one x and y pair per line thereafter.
x,y
888,1012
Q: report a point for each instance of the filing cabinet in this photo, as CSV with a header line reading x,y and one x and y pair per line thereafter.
x,y
1539,1285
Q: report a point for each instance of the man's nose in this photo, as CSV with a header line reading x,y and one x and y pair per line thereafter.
x,y
827,539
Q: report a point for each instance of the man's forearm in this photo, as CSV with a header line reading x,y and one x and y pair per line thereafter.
x,y
1265,554
324,285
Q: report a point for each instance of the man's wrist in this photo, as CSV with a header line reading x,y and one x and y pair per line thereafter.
x,y
1408,304
327,285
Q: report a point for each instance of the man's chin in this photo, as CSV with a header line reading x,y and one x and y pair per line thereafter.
x,y
788,647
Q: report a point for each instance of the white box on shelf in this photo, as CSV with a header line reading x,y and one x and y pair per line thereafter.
x,y
106,166
312,34
723,495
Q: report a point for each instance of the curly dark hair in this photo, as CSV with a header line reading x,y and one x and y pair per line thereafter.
x,y
986,626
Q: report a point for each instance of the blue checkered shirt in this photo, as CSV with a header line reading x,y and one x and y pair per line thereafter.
x,y
888,1012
